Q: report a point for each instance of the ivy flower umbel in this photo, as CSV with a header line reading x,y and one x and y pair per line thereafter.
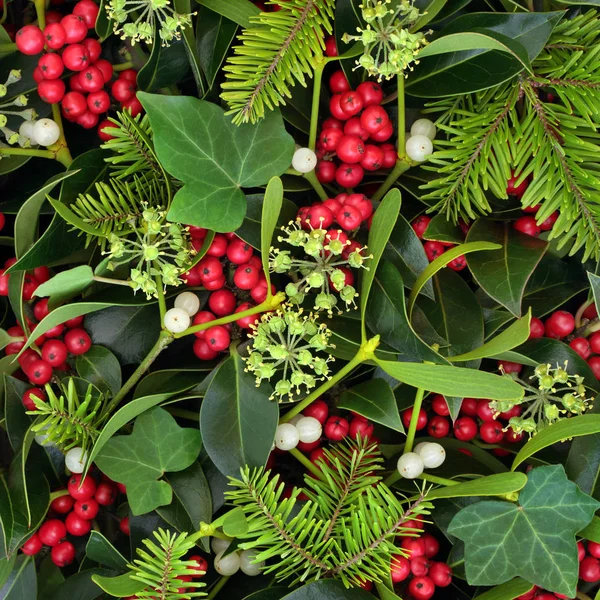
x,y
150,16
321,269
161,249
289,341
12,137
389,46
555,395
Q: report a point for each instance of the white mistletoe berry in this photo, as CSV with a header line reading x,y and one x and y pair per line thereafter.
x,y
219,545
309,430
424,127
304,160
296,418
227,565
26,130
176,320
247,565
433,455
286,436
189,302
75,460
418,147
410,465
45,132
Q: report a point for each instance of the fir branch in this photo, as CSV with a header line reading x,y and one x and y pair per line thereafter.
x,y
277,51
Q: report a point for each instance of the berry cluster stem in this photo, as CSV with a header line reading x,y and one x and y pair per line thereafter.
x,y
316,98
412,426
217,588
306,462
311,177
40,10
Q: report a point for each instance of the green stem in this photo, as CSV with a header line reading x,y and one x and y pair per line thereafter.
x,y
40,9
217,588
402,165
316,98
412,427
401,117
438,480
268,305
61,150
26,152
162,305
311,177
58,494
365,352
580,311
110,281
306,462
190,415
164,339
123,66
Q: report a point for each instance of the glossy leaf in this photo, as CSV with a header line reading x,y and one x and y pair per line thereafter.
x,y
104,25
348,17
534,539
81,585
237,419
194,141
172,380
381,229
66,284
492,485
271,210
429,10
166,65
327,589
592,531
557,432
101,368
494,319
100,550
513,336
504,273
453,381
22,581
156,446
583,460
120,586
374,400
238,11
442,230
595,285
507,591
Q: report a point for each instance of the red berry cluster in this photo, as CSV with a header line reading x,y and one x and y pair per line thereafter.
x,y
229,269
356,117
72,513
68,47
422,574
349,211
589,571
433,248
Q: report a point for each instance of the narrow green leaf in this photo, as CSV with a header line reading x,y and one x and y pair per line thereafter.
x,y
515,335
507,591
66,284
561,431
120,586
238,11
492,485
382,226
595,284
428,12
271,209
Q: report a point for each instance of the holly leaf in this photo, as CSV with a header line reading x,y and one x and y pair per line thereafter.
x,y
534,539
157,446
214,158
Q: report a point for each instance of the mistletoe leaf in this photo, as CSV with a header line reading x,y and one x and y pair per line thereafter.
x,y
198,144
534,539
157,446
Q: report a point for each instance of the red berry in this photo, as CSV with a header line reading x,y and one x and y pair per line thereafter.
x,y
318,409
51,90
420,225
536,328
330,47
91,79
484,411
441,574
77,341
55,35
51,65
76,525
413,547
465,429
133,105
217,338
440,406
246,322
581,346
76,57
203,351
374,119
373,158
74,322
30,40
581,552
353,127
351,103
325,171
319,217
433,250
390,155
421,588
124,525
399,568
62,504
349,218
81,490
105,67
548,224
562,323
32,546
39,372
63,554
384,134
438,427
594,341
94,49
222,302
88,11
350,149
360,427
516,190
349,175
54,352
421,419
509,367
338,82
458,264
246,276
419,566
594,364
75,27
594,549
103,127
371,92
491,432
98,102
123,90
86,509
432,546
106,493
527,225
330,138
129,75
589,569
52,532
27,397
336,428
239,252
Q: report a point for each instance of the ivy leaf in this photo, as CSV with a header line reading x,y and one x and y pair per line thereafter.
x,y
156,446
534,539
214,158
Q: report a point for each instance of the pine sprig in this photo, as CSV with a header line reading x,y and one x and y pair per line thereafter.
x,y
66,420
348,528
277,51
160,566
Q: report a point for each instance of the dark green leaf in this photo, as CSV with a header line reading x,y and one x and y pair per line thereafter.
x,y
327,589
238,11
429,9
120,586
104,25
22,581
156,446
272,593
504,273
534,539
184,7
442,230
90,167
100,550
81,586
172,380
374,400
494,319
507,591
595,284
166,65
271,210
66,284
194,141
6,567
100,367
583,460
237,419
16,421
497,484
347,19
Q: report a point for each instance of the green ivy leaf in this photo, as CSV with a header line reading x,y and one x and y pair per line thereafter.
x,y
214,158
374,400
100,367
157,446
534,539
237,419
504,273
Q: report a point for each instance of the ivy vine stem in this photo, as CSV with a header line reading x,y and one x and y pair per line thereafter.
x,y
414,419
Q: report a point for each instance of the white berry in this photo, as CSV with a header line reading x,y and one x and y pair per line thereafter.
x,y
295,419
410,465
41,438
227,565
219,545
424,127
433,455
304,160
247,564
286,436
418,147
45,132
26,129
417,448
176,320
75,460
189,302
309,430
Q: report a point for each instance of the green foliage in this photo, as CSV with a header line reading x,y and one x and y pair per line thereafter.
x,y
534,539
348,529
278,50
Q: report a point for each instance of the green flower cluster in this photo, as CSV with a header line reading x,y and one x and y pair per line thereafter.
x,y
555,395
161,249
12,137
321,269
150,15
286,340
389,46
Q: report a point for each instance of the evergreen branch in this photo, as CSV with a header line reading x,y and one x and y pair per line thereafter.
x,y
277,51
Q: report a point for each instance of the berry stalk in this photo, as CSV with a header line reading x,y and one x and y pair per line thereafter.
x,y
412,427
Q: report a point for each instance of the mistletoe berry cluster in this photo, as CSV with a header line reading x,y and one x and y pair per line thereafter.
x,y
228,564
